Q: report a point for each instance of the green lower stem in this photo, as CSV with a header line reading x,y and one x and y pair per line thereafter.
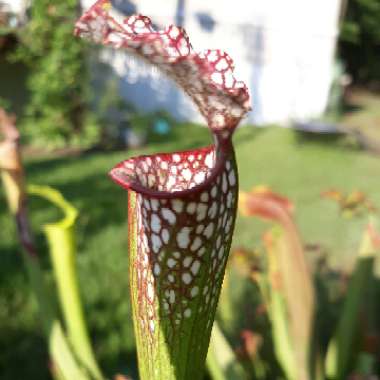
x,y
62,247
62,250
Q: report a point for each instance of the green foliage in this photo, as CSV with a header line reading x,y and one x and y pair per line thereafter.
x,y
120,119
264,156
113,114
342,346
287,290
360,39
58,110
4,104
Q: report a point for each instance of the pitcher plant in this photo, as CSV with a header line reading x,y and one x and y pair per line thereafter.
x,y
181,206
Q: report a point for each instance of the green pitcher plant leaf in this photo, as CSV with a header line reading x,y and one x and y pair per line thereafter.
x,y
277,307
340,347
292,301
62,247
13,179
222,362
182,205
64,365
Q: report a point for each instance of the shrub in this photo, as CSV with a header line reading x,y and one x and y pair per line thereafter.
x,y
360,39
58,110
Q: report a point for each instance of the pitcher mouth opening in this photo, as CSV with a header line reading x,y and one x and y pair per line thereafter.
x,y
206,77
170,175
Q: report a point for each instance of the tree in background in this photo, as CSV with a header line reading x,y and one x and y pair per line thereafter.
x,y
360,40
57,113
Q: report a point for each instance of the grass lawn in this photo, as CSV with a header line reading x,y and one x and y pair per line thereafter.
x,y
297,166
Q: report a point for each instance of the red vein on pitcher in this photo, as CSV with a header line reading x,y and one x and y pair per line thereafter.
x,y
182,206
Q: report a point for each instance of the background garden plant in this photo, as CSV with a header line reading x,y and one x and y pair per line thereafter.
x,y
294,306
58,112
241,292
71,355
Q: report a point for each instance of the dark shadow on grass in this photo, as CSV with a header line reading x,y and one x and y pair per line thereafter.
x,y
339,141
120,359
324,138
99,201
12,264
23,354
351,107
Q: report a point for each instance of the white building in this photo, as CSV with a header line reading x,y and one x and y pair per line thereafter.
x,y
15,6
283,50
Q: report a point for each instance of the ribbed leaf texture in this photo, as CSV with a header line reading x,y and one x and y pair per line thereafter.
x,y
182,206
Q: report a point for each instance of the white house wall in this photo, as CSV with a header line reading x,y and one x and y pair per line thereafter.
x,y
283,50
15,6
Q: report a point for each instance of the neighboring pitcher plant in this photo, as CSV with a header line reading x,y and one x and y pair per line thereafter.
x,y
182,206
